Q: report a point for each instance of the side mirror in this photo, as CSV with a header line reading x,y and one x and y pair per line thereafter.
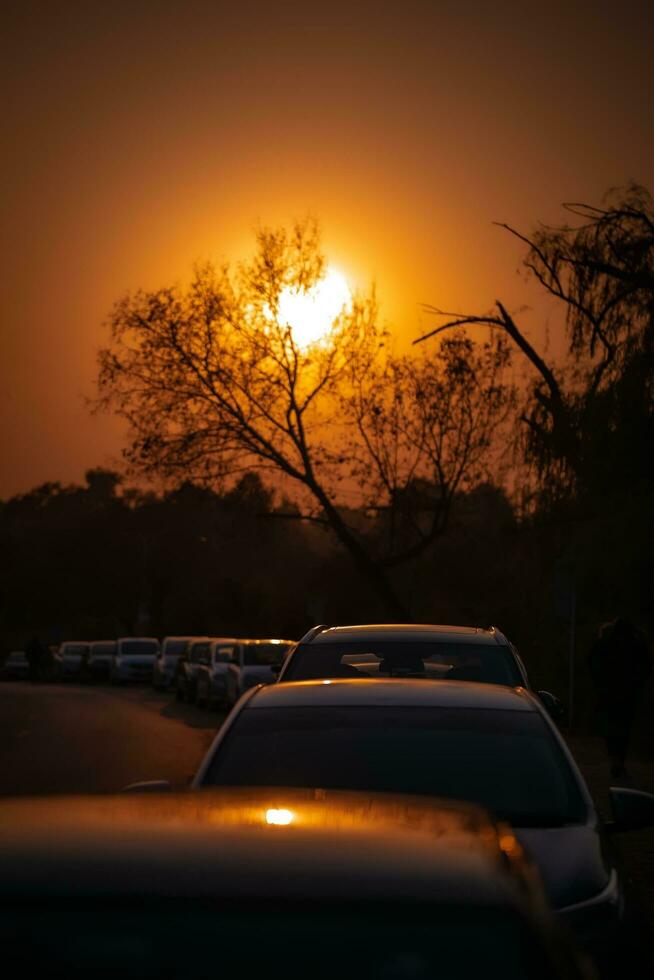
x,y
152,786
551,704
632,809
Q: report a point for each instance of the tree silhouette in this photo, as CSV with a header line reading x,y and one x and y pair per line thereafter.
x,y
586,421
213,383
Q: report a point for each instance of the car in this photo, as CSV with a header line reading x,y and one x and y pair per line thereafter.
x,y
186,669
411,650
488,744
213,668
100,658
163,672
255,662
134,659
276,883
15,667
69,658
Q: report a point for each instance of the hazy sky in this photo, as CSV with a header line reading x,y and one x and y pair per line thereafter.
x,y
141,136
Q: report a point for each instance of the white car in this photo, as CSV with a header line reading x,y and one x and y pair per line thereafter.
x,y
101,657
211,677
254,662
70,656
163,672
134,660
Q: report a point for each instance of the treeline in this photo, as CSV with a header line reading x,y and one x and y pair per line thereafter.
x,y
97,561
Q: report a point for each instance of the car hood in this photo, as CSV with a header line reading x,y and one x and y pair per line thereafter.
x,y
572,861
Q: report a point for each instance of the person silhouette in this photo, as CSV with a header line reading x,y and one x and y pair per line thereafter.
x,y
35,654
619,663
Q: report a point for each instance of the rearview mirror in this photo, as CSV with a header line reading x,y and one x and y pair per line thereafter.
x,y
151,786
551,704
632,809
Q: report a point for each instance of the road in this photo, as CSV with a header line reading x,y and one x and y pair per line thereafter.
x,y
64,738
76,739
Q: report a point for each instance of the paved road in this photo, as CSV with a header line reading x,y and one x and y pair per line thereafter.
x,y
61,738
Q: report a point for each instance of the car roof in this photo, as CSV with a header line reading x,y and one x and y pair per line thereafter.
x,y
234,843
276,640
403,692
408,632
138,639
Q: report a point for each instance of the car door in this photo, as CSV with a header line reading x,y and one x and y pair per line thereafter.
x,y
233,674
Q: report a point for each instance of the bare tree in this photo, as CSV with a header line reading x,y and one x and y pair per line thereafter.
x,y
212,382
601,269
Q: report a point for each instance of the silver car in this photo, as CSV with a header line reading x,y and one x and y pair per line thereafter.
x,y
255,662
134,660
212,671
163,672
488,744
421,652
69,658
101,656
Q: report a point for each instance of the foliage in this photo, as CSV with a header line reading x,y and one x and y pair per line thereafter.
x,y
585,421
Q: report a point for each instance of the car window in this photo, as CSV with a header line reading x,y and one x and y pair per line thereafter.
x,y
488,663
263,654
174,648
198,651
139,648
507,761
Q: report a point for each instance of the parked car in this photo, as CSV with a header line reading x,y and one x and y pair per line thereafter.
x,y
15,667
211,678
188,663
163,672
278,884
491,745
255,662
100,658
134,659
416,651
69,658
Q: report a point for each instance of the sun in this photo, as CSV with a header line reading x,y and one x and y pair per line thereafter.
x,y
311,313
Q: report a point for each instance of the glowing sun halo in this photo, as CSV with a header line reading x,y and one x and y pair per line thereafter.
x,y
310,314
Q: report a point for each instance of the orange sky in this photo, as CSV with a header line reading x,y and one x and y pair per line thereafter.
x,y
140,136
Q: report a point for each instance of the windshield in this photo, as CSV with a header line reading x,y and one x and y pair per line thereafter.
x,y
507,761
488,663
139,648
223,655
174,648
263,654
199,651
366,940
